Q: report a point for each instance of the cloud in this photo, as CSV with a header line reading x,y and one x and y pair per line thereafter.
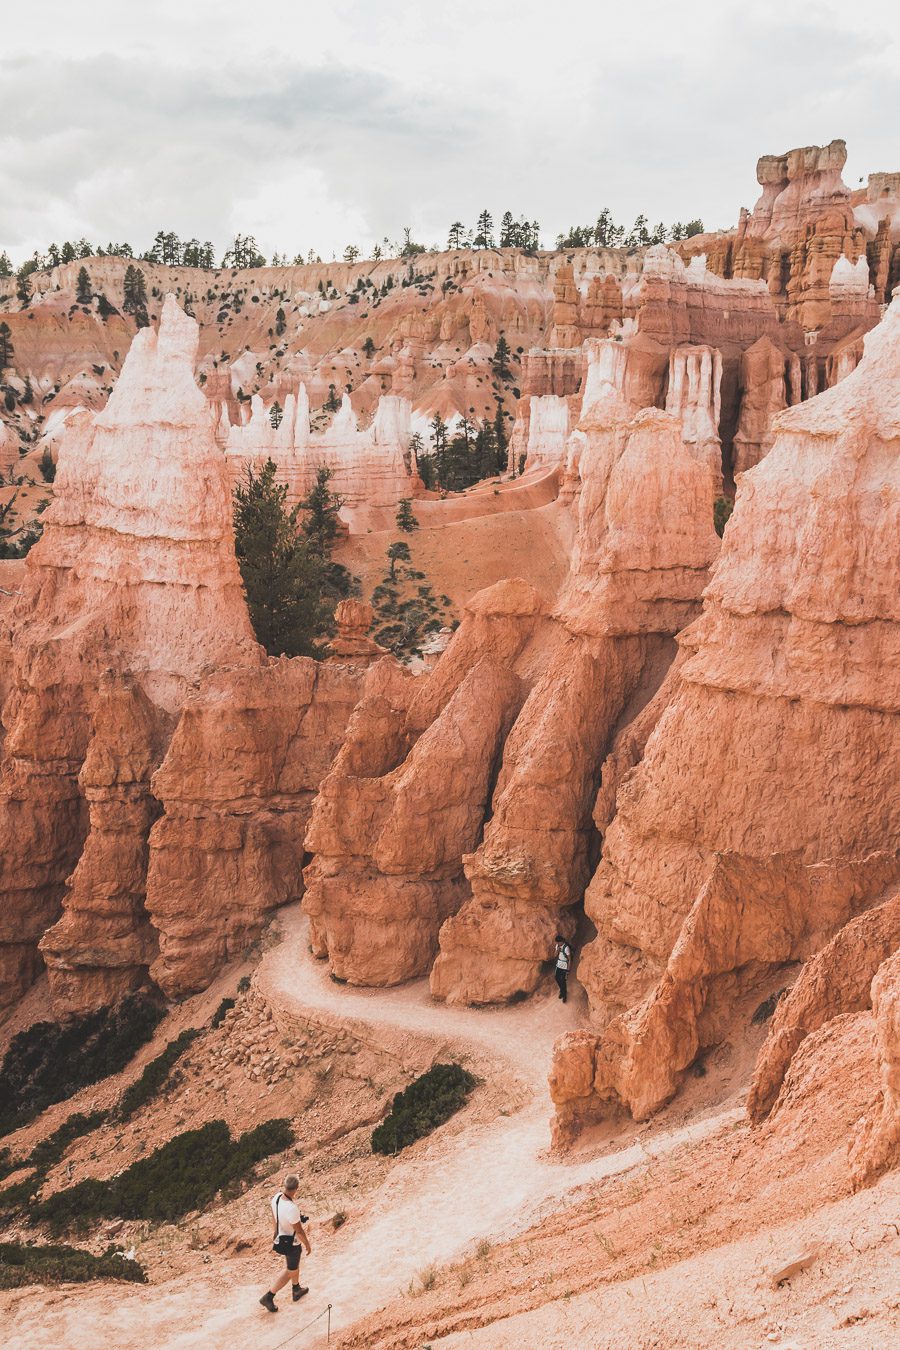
x,y
318,127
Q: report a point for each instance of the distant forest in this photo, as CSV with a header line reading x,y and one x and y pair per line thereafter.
x,y
244,251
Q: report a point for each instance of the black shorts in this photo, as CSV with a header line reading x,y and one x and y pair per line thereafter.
x,y
290,1250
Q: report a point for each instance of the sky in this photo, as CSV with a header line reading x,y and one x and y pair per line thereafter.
x,y
318,126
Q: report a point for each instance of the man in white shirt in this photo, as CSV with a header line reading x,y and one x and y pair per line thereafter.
x,y
290,1239
563,959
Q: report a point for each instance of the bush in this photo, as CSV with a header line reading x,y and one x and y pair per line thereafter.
x,y
21,1265
48,1152
722,509
155,1074
427,1103
47,466
51,1060
183,1175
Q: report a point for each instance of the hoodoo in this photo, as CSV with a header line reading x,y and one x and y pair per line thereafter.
x,y
789,678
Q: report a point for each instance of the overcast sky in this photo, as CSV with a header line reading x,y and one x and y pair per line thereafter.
x,y
313,126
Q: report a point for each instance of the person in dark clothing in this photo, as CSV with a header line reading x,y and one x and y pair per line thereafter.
x,y
563,961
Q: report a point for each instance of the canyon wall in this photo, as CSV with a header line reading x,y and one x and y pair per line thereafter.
x,y
129,603
721,859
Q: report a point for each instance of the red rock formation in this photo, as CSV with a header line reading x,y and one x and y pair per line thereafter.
x,y
236,788
877,1145
632,585
770,382
785,683
135,574
835,981
407,795
352,642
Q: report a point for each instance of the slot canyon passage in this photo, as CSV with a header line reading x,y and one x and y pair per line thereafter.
x,y
607,706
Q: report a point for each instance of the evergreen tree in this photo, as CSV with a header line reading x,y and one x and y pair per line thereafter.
x,y
283,578
321,523
23,286
398,552
280,321
457,235
406,521
134,291
332,402
351,253
67,252
500,436
501,358
369,348
83,287
638,235
244,252
693,227
53,256
6,346
5,265
84,248
484,230
276,413
438,431
485,452
509,235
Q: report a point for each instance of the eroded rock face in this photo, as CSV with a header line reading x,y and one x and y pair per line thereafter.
x,y
407,795
135,575
788,679
877,1145
236,788
645,543
835,981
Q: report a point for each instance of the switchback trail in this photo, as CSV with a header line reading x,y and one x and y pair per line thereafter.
x,y
482,1183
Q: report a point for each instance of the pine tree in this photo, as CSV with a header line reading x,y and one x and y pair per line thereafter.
x,y
283,578
484,230
500,437
321,524
276,413
457,235
244,252
508,232
398,552
23,287
6,346
83,287
280,321
438,430
67,252
332,402
134,290
501,358
5,265
406,521
351,253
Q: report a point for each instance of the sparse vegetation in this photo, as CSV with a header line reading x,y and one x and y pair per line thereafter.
x,y
22,1265
51,1060
428,1102
155,1074
183,1175
722,509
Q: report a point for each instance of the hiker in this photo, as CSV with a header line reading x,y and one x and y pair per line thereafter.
x,y
290,1239
563,957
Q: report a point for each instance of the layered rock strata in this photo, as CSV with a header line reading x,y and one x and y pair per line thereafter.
x,y
788,679
407,795
135,575
235,790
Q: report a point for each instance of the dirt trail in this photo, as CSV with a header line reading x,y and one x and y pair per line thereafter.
x,y
484,1182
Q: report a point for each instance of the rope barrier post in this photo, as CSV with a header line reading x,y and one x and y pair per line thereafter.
x,y
328,1337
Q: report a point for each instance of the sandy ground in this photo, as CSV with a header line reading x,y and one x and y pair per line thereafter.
x,y
478,1182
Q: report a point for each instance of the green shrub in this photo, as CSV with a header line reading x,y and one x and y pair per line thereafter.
x,y
183,1175
218,1016
155,1074
16,1198
21,1265
51,1060
722,509
48,1152
427,1103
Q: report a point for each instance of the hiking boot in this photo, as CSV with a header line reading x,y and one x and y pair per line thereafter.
x,y
297,1292
268,1302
